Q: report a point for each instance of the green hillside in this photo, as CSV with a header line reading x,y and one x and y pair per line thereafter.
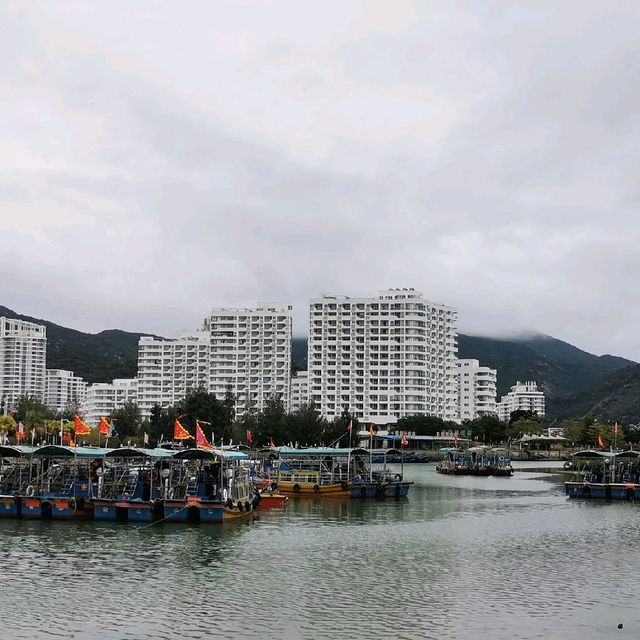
x,y
97,357
616,396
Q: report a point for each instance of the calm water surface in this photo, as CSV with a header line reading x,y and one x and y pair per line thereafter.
x,y
461,558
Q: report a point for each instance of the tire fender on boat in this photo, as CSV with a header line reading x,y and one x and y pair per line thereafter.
x,y
171,494
316,488
345,486
296,488
247,506
73,504
567,465
225,495
30,490
240,507
398,477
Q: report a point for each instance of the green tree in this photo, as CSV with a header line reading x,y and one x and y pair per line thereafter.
x,y
574,430
306,426
127,419
7,425
336,431
487,429
524,426
32,411
425,425
199,404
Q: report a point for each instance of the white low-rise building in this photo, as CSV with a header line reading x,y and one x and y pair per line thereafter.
x,y
103,398
299,391
64,390
524,396
476,389
23,353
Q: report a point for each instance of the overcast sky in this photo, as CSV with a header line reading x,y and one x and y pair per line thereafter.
x,y
159,159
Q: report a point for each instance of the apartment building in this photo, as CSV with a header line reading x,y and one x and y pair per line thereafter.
x,y
299,391
244,351
524,396
388,356
63,389
250,354
23,352
103,398
168,369
476,389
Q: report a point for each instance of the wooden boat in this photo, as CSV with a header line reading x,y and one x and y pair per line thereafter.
x,y
500,462
325,472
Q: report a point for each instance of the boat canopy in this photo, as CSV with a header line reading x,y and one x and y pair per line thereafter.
x,y
61,451
592,454
134,452
627,454
229,454
316,452
449,449
8,451
195,454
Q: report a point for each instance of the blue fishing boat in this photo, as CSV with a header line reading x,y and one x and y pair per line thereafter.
x,y
500,462
604,474
130,485
15,475
454,462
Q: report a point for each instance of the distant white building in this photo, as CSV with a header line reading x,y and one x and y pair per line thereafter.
x,y
251,354
63,389
476,389
23,353
524,396
103,398
168,369
299,390
383,357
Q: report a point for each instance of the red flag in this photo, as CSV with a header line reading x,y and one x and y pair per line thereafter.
x,y
201,439
404,440
249,437
179,432
80,427
66,437
20,434
272,443
350,425
373,430
104,426
600,441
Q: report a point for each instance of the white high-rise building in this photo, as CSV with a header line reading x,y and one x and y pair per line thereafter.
x,y
476,389
389,356
251,354
244,351
23,353
63,389
103,398
168,369
299,390
524,396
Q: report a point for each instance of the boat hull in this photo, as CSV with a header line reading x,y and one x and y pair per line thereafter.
x,y
33,508
9,507
305,490
272,501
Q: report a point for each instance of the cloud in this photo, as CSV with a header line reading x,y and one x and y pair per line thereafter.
x,y
158,162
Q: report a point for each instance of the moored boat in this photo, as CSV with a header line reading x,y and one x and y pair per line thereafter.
x,y
604,474
454,462
500,462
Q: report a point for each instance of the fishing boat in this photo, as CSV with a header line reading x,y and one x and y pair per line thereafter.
x,y
478,461
15,475
208,485
500,462
333,473
454,462
604,474
130,485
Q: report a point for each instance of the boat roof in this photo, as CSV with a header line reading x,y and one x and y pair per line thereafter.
x,y
209,454
449,449
290,452
15,451
596,454
135,452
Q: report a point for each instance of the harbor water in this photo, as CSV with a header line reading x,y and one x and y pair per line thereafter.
x,y
462,557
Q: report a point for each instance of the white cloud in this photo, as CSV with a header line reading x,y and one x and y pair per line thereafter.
x,y
159,160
